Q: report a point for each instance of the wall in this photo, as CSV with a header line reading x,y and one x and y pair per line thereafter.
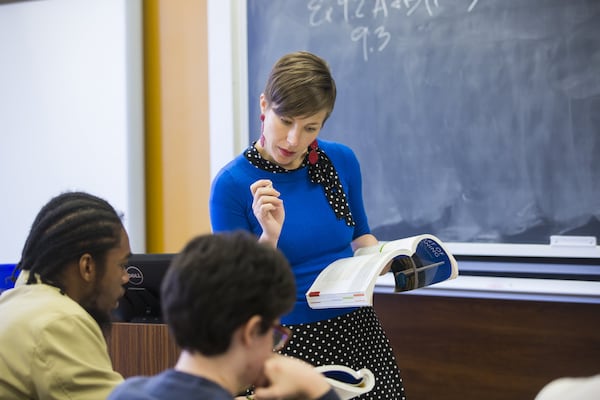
x,y
70,110
228,81
72,114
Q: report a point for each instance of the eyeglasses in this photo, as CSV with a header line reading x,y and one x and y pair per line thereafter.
x,y
281,335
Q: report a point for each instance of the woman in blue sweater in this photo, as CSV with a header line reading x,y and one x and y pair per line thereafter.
x,y
304,196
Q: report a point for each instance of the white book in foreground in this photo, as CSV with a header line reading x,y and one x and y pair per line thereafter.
x,y
347,382
416,262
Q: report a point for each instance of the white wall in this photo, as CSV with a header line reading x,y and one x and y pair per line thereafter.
x,y
70,111
228,81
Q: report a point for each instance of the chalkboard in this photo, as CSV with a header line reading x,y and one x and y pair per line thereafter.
x,y
475,120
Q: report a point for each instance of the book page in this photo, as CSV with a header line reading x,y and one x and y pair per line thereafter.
x,y
401,246
406,245
417,261
375,249
347,275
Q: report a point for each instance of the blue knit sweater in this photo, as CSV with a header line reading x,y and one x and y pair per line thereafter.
x,y
312,236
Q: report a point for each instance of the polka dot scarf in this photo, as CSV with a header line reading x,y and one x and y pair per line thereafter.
x,y
322,172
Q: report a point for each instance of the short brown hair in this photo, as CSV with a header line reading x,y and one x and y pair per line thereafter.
x,y
300,84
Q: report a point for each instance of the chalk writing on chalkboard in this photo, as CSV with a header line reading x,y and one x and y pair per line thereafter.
x,y
360,13
475,121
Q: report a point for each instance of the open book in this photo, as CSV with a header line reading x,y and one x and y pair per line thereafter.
x,y
416,262
347,382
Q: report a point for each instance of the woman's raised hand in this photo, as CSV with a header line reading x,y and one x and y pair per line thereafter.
x,y
268,210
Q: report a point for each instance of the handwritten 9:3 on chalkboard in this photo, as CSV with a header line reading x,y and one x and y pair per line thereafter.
x,y
475,120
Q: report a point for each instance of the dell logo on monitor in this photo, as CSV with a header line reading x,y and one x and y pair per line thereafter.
x,y
135,275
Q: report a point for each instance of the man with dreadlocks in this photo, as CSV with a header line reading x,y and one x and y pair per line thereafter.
x,y
53,323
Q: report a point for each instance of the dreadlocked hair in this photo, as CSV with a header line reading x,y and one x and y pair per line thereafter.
x,y
68,226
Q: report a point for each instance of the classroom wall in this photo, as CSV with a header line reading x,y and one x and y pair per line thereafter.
x,y
195,73
228,89
70,110
72,114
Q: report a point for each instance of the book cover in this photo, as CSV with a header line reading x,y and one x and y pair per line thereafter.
x,y
415,262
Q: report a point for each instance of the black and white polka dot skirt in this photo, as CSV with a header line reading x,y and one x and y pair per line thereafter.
x,y
356,340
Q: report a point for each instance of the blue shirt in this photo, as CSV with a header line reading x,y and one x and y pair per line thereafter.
x,y
172,384
312,237
169,384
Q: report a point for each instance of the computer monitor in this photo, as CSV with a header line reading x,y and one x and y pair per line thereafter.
x,y
141,302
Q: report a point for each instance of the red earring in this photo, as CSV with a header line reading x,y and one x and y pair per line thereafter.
x,y
262,129
313,156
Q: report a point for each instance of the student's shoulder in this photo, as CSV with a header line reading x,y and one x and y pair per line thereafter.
x,y
56,305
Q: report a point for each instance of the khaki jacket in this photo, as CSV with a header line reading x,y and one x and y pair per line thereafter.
x,y
51,348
